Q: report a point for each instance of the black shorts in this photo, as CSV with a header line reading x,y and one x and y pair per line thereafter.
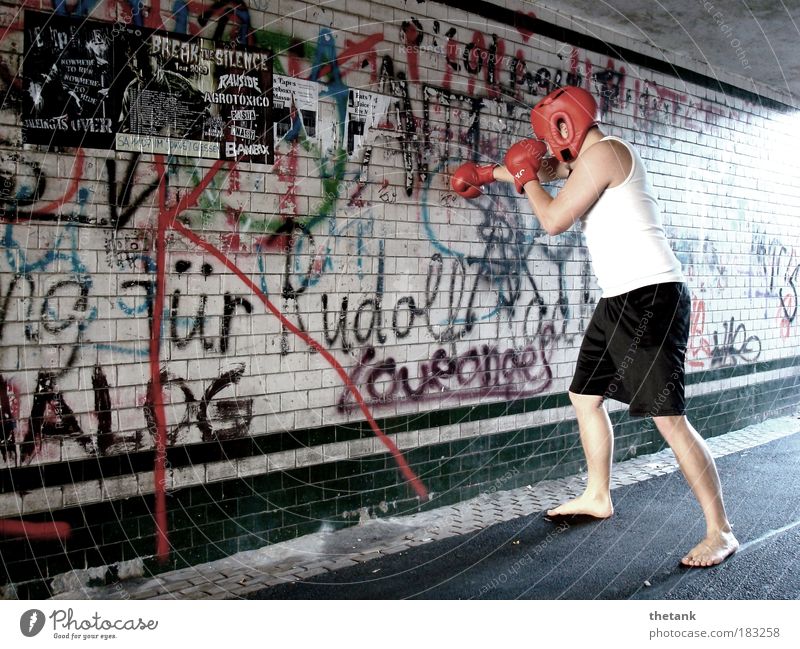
x,y
634,350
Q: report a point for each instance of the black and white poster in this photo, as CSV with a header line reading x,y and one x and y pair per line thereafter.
x,y
366,111
68,70
133,89
296,108
196,97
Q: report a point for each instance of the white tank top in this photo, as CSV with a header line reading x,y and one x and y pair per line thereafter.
x,y
625,237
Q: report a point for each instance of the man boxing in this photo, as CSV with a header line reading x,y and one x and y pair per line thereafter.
x,y
635,344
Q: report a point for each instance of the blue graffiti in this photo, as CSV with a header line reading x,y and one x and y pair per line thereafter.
x,y
119,349
180,13
504,262
83,7
426,219
325,57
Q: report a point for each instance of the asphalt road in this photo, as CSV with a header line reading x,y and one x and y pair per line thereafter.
x,y
633,555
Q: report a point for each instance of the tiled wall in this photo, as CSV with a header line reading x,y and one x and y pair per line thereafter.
x,y
347,272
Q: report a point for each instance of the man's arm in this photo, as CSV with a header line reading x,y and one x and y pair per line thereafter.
x,y
550,171
591,174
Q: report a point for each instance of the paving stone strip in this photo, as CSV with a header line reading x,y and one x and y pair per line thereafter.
x,y
314,554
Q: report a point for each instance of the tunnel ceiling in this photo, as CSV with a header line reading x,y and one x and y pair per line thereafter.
x,y
767,31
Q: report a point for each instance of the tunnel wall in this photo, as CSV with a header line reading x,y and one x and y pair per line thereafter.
x,y
199,357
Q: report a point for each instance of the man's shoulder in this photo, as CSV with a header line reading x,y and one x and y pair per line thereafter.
x,y
610,158
606,150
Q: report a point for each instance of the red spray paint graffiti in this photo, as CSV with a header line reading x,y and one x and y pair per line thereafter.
x,y
35,531
168,220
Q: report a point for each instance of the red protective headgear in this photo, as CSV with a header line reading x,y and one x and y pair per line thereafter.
x,y
576,108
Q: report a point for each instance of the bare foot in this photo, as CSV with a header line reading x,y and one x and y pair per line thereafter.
x,y
587,505
711,551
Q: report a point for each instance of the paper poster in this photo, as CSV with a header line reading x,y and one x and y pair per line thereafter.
x,y
365,111
196,97
94,84
68,70
296,108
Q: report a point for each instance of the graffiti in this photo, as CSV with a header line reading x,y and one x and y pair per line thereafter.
x,y
412,34
610,86
50,313
458,129
403,466
778,269
183,332
216,417
50,415
353,248
396,85
735,345
8,421
224,11
786,314
703,263
720,350
35,531
15,204
655,106
478,372
121,205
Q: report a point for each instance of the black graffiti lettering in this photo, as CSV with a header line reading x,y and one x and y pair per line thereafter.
x,y
237,8
50,415
121,206
542,82
51,321
790,279
412,311
102,410
30,333
229,310
288,231
468,57
407,32
149,290
16,199
197,327
608,82
374,305
341,324
234,415
407,127
168,380
491,63
736,346
8,423
451,34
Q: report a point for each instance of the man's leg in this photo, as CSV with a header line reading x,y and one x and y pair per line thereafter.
x,y
597,439
700,472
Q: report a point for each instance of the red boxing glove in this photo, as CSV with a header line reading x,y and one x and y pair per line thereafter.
x,y
523,161
469,177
